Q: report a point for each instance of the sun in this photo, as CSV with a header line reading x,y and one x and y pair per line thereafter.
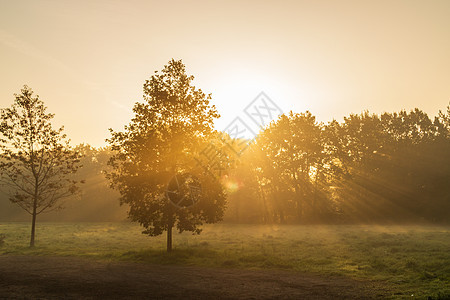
x,y
234,92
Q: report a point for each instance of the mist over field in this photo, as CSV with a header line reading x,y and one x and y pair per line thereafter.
x,y
225,150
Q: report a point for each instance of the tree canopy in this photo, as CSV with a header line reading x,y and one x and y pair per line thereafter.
x,y
368,168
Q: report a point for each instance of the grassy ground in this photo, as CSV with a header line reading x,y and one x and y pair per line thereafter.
x,y
411,261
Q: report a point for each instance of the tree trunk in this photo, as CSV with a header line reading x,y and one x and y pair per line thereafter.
x,y
298,198
265,216
169,238
35,200
33,225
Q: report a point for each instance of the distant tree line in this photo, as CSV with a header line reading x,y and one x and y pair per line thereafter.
x,y
370,168
393,167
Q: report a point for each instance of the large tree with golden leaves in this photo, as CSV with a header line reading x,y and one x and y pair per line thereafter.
x,y
169,130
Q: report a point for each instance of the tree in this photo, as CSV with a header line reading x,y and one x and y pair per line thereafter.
x,y
297,167
169,130
36,161
397,166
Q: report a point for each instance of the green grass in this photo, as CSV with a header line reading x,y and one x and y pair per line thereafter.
x,y
407,260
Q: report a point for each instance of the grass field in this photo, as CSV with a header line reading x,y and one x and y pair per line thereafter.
x,y
410,261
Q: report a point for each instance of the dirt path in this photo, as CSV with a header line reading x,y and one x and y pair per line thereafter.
x,y
41,277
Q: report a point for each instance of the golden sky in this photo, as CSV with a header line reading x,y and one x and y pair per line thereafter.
x,y
88,59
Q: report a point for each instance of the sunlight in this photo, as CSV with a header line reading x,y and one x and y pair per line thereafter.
x,y
225,149
231,185
233,91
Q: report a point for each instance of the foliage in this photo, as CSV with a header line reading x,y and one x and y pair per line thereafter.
x,y
296,166
36,160
169,129
369,168
399,166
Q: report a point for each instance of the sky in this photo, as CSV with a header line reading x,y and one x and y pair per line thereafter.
x,y
88,60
